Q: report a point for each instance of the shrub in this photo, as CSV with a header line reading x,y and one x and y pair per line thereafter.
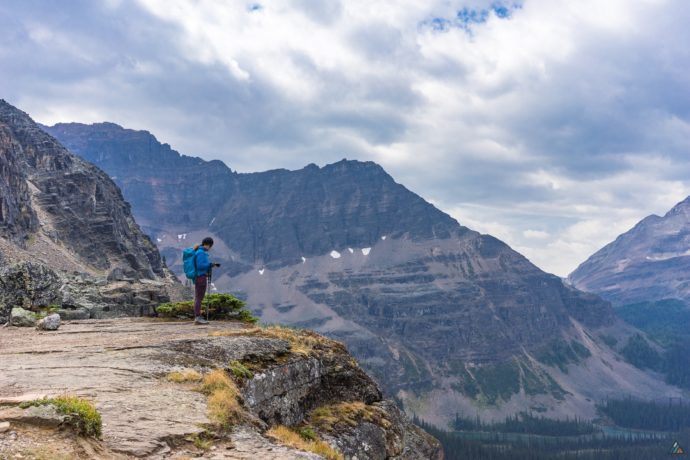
x,y
220,306
82,414
239,370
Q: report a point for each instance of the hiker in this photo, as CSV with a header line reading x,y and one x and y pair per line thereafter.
x,y
203,268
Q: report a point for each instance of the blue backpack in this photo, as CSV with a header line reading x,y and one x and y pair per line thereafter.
x,y
189,262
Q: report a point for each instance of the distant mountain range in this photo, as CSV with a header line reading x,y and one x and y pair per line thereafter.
x,y
647,263
447,319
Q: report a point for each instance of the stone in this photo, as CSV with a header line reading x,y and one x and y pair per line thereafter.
x,y
49,323
46,416
69,314
22,318
4,427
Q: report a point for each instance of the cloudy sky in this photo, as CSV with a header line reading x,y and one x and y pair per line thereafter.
x,y
554,125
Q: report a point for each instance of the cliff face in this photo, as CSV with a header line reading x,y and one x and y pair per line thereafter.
x,y
59,211
649,262
437,312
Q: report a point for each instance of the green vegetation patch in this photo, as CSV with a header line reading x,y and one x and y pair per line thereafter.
x,y
664,320
640,354
220,306
672,415
499,381
81,414
527,423
239,370
560,353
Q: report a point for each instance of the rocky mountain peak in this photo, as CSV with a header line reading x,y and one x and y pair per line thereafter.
x,y
59,211
648,262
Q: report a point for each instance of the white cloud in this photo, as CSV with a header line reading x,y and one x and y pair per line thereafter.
x,y
535,234
554,129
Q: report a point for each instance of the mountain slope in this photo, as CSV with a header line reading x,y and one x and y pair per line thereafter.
x,y
60,212
649,262
446,318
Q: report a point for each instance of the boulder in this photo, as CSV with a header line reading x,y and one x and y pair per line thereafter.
x,y
49,323
28,283
22,318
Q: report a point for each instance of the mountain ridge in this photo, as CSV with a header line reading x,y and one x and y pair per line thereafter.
x,y
646,263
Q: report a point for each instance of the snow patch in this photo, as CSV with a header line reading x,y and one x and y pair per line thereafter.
x,y
159,240
351,250
182,236
383,237
212,221
366,251
304,259
261,272
213,287
335,254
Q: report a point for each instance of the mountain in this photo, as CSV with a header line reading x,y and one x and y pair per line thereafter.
x,y
645,272
650,262
64,219
447,319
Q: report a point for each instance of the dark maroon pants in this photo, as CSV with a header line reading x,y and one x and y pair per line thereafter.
x,y
199,293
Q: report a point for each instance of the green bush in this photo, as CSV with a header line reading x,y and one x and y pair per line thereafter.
x,y
307,433
82,414
220,306
239,370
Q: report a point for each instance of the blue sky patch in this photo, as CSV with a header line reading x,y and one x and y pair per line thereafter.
x,y
468,17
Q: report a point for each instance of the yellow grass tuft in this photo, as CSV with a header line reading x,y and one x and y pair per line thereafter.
x,y
224,407
235,332
291,438
186,375
302,341
349,413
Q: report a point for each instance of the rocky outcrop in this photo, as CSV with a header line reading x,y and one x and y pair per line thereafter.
x,y
60,215
123,369
649,262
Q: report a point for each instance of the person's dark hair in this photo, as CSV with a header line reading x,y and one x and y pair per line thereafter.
x,y
208,241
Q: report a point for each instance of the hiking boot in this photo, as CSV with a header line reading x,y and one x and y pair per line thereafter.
x,y
200,320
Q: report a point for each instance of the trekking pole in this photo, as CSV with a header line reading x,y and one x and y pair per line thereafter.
x,y
208,287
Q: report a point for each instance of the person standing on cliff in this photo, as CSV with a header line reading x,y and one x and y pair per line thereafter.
x,y
203,269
